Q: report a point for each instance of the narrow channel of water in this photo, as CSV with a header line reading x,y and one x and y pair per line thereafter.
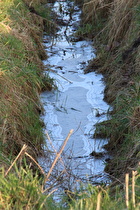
x,y
77,101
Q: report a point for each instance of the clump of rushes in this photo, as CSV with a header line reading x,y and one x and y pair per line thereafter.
x,y
21,77
118,58
99,197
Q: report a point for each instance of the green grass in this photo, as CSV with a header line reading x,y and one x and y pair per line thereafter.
x,y
21,82
122,77
105,197
21,74
21,189
21,77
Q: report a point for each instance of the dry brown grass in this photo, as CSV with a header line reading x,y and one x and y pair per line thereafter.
x,y
15,99
113,19
20,76
30,31
120,20
135,118
95,8
118,58
137,62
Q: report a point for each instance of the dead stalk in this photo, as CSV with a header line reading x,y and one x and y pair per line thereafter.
x,y
133,188
60,76
21,153
58,155
52,192
35,162
48,137
98,201
55,150
52,185
127,190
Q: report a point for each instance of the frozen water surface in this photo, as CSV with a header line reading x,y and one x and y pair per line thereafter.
x,y
78,98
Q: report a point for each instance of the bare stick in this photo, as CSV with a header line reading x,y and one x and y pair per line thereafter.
x,y
48,137
22,152
52,185
55,150
60,76
35,163
133,188
98,201
58,155
127,189
52,192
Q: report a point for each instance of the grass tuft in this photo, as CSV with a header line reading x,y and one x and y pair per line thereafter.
x,y
21,74
118,58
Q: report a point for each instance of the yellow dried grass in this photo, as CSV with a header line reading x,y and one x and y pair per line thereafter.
x,y
4,28
19,81
119,15
31,51
135,118
92,8
119,20
16,95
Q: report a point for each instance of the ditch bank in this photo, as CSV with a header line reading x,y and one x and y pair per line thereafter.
x,y
115,29
22,79
15,93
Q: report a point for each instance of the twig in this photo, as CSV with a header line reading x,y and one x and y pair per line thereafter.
x,y
48,137
127,190
35,163
61,76
42,204
55,150
77,128
58,155
133,188
52,192
52,185
98,201
22,152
